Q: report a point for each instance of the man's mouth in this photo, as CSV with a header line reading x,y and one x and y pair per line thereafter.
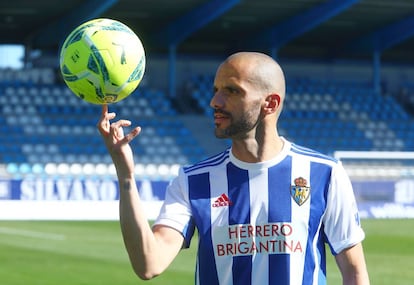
x,y
220,118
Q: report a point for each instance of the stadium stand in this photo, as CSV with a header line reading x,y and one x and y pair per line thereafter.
x,y
45,123
335,115
42,122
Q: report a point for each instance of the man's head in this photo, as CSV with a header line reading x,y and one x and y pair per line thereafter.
x,y
249,90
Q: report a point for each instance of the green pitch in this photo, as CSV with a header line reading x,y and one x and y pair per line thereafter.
x,y
89,253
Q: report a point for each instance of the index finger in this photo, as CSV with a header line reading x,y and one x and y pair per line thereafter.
x,y
103,123
104,109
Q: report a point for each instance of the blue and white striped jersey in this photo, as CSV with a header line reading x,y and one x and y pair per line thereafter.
x,y
264,223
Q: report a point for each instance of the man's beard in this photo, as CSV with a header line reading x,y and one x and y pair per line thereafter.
x,y
238,129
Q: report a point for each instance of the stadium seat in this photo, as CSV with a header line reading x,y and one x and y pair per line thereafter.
x,y
46,122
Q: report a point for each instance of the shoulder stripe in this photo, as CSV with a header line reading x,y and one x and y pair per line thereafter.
x,y
212,161
309,152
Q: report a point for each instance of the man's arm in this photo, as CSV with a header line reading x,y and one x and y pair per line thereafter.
x,y
150,251
351,264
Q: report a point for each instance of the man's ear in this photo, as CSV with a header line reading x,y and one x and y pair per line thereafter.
x,y
272,103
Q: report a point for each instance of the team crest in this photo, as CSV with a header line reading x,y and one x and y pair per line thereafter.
x,y
300,191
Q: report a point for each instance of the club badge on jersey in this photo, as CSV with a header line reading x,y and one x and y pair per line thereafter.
x,y
300,192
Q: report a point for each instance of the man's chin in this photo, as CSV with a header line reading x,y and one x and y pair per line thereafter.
x,y
220,134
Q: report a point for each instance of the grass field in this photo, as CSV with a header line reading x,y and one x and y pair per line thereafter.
x,y
89,253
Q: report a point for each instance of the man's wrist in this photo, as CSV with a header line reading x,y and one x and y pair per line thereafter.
x,y
126,184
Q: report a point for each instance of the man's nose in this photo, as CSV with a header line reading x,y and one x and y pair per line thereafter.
x,y
217,100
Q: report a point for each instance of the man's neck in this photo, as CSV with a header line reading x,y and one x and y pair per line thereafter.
x,y
253,150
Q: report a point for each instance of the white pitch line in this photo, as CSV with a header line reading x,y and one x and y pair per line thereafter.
x,y
31,234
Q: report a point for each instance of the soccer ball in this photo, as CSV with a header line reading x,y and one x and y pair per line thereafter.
x,y
102,61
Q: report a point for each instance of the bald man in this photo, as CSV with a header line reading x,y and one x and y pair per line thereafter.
x,y
264,209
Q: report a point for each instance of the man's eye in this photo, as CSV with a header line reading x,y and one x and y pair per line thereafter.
x,y
232,90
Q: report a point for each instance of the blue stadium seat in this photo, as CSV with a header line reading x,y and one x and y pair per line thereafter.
x,y
321,113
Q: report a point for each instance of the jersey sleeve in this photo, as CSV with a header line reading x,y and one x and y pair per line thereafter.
x,y
176,211
341,220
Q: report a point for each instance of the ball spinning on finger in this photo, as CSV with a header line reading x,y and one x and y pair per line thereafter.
x,y
102,61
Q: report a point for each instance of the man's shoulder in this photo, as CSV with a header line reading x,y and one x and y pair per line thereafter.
x,y
312,154
212,161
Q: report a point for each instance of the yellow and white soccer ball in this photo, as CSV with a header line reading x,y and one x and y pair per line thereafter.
x,y
102,61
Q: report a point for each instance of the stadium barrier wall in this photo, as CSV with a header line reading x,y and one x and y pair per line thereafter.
x,y
71,199
385,198
97,199
383,182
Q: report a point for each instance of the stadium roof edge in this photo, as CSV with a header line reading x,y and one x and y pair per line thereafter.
x,y
178,30
295,26
57,32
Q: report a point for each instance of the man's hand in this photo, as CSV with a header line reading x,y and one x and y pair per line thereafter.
x,y
117,143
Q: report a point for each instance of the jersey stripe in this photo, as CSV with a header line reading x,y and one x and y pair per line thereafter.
x,y
238,181
279,211
300,216
310,152
200,199
258,216
212,161
220,216
317,245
